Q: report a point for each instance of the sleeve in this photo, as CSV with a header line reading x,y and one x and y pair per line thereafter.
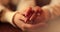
x,y
53,8
6,15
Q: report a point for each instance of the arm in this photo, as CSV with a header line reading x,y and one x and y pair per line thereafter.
x,y
6,15
53,8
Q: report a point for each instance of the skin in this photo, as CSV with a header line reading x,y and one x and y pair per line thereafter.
x,y
37,21
26,25
54,25
30,25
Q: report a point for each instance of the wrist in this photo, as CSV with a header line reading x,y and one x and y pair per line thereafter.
x,y
17,22
8,17
47,13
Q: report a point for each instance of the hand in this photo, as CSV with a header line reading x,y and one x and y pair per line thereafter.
x,y
41,16
31,19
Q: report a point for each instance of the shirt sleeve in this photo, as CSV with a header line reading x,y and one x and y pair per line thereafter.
x,y
53,8
6,15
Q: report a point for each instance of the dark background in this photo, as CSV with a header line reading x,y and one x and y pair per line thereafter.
x,y
6,27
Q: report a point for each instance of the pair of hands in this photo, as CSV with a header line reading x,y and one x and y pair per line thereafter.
x,y
31,19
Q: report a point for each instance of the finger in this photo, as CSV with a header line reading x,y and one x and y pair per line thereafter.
x,y
38,9
32,18
28,12
34,15
21,17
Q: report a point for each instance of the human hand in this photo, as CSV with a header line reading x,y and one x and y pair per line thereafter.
x,y
31,19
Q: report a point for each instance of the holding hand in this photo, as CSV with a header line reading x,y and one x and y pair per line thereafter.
x,y
31,19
